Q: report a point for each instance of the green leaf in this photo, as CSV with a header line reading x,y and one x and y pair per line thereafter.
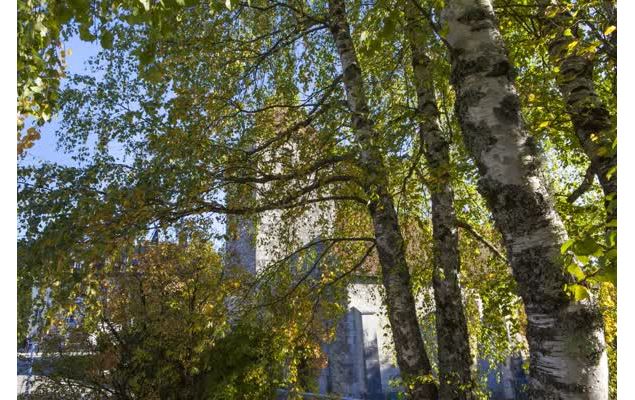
x,y
575,270
582,259
585,247
445,28
36,89
389,27
106,39
146,56
565,246
39,26
578,292
153,74
85,34
551,11
607,274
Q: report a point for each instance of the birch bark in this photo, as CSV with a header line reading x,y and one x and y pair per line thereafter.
x,y
566,341
411,355
455,376
590,117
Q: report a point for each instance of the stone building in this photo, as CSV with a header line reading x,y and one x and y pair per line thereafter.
x,y
361,361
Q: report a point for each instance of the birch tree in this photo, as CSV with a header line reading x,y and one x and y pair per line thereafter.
x,y
411,354
592,122
455,380
199,114
488,108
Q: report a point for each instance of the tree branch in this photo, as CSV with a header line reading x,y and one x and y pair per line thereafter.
x,y
584,186
480,238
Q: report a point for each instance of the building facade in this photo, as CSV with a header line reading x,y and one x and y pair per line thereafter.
x,y
361,361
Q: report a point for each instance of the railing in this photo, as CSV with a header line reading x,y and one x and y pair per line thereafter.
x,y
283,394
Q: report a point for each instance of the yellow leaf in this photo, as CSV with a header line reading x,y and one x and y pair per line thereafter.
x,y
610,30
543,124
590,49
572,45
552,11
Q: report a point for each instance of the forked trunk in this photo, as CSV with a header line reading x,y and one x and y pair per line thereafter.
x,y
566,340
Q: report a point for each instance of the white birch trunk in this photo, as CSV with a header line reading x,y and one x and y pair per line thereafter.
x,y
411,355
591,119
455,374
566,341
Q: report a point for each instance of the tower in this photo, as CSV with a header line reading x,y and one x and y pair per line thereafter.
x,y
360,358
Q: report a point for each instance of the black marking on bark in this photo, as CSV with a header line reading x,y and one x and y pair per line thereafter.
x,y
532,150
470,98
480,137
531,230
477,18
464,68
509,110
579,88
502,68
516,203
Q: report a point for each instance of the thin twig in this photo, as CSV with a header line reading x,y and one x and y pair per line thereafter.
x,y
480,238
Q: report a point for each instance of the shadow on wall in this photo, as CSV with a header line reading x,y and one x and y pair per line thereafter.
x,y
506,381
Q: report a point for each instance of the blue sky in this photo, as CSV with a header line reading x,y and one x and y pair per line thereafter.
x,y
45,148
